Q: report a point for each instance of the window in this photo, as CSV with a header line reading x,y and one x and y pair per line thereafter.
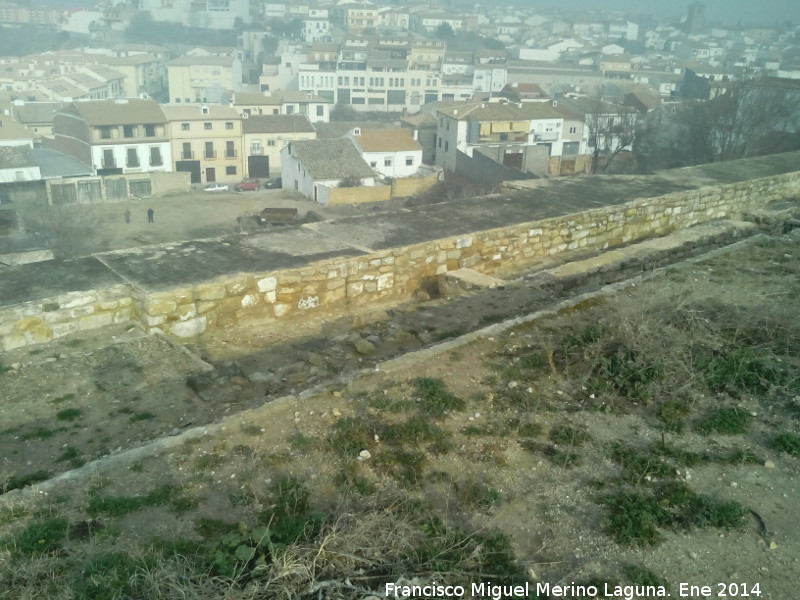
x,y
155,157
270,142
446,146
150,131
573,129
228,124
230,151
409,161
206,126
230,170
131,157
440,142
184,127
373,163
105,133
186,152
108,159
387,162
209,151
129,131
320,110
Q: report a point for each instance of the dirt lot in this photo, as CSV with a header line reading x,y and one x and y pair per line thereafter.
x,y
650,437
85,229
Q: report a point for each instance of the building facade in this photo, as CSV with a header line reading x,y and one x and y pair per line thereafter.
x,y
206,142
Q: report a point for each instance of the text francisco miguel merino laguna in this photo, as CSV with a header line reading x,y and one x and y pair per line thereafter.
x,y
508,592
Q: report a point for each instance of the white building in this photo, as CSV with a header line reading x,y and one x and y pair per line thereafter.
x,y
391,152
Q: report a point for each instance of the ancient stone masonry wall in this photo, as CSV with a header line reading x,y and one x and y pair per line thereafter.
x,y
52,318
338,286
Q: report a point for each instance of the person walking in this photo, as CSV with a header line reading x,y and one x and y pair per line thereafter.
x,y
127,215
151,215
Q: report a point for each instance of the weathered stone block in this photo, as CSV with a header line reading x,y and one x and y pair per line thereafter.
x,y
65,328
281,309
333,296
186,311
335,284
209,293
96,321
107,304
307,302
249,300
189,328
464,242
385,281
270,297
161,308
79,300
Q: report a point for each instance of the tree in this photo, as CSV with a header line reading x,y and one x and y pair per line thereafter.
x,y
444,31
610,129
750,118
743,120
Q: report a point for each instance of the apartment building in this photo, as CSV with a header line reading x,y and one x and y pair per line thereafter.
x,y
114,136
522,136
203,78
206,141
316,108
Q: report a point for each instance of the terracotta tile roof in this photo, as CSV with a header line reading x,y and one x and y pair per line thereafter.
x,y
331,159
17,157
193,112
132,111
386,140
11,130
501,111
277,124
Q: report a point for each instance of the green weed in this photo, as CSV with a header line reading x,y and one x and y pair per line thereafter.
x,y
69,414
64,398
300,443
16,482
788,443
568,435
40,537
72,456
436,399
142,416
253,430
727,421
119,506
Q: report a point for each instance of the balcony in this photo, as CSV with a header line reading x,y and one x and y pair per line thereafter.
x,y
109,164
256,150
546,136
230,153
210,155
187,155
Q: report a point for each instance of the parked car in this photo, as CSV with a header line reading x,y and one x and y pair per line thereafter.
x,y
273,183
246,185
216,187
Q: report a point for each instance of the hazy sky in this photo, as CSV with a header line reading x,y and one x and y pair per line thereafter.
x,y
760,12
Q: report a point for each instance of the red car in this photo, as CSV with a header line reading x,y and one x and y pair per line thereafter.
x,y
248,184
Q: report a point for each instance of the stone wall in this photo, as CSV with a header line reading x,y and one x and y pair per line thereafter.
x,y
353,195
52,318
337,286
411,186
